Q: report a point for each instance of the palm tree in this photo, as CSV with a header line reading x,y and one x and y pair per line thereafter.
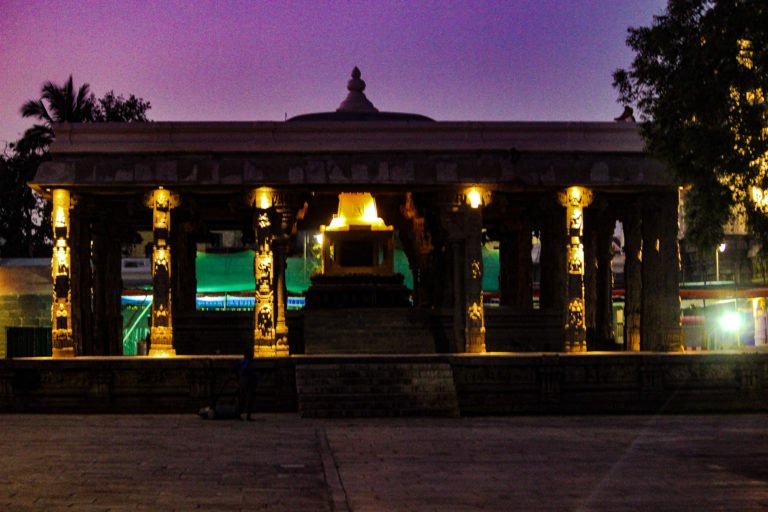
x,y
57,104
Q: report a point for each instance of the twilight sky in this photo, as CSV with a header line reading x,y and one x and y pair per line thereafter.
x,y
260,60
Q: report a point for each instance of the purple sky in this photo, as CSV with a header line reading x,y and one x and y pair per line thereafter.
x,y
258,60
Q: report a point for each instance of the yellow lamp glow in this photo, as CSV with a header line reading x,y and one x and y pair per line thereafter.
x,y
474,197
263,198
356,209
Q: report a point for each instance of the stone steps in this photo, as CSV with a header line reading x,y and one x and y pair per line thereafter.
x,y
381,389
367,331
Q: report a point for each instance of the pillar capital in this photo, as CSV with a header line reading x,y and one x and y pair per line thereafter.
x,y
575,197
162,198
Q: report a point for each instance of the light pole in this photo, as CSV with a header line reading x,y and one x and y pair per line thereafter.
x,y
720,248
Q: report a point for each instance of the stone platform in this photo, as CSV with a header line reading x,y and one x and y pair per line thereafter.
x,y
491,384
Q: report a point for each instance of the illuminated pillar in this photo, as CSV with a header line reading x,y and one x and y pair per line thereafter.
x,y
474,321
161,333
263,268
575,199
264,271
61,310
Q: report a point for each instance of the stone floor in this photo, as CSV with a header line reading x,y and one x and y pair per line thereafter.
x,y
281,462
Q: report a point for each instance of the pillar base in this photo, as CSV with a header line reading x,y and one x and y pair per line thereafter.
x,y
575,347
162,351
63,352
475,342
264,351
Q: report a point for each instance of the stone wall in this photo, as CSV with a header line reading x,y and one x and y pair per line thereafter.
x,y
138,385
647,383
22,310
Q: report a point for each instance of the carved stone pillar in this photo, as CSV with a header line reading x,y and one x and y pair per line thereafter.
x,y
61,310
575,199
161,332
417,243
263,269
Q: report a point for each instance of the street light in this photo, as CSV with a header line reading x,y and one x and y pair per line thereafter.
x,y
720,248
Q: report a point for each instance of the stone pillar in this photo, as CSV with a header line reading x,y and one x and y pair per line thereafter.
x,y
598,277
80,259
462,223
660,321
633,283
183,271
474,330
515,265
280,247
161,332
107,284
417,243
553,268
61,310
604,280
575,199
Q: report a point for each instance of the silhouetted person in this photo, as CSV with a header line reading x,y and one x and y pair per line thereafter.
x,y
246,381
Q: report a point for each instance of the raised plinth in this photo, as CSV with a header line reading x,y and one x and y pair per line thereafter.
x,y
357,291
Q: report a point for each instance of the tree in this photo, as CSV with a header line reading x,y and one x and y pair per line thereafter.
x,y
57,104
699,80
118,109
24,216
64,104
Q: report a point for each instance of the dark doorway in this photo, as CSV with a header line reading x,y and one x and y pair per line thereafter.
x,y
28,341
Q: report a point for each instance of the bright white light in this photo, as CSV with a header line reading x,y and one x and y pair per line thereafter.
x,y
721,247
319,239
730,322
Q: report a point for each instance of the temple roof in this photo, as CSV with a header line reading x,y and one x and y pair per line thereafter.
x,y
357,107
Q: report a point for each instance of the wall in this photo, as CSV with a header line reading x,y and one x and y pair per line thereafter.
x,y
22,311
645,383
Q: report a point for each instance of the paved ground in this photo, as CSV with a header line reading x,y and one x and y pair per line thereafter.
x,y
281,462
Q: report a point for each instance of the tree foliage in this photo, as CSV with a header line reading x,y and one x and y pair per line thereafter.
x,y
118,109
699,80
65,104
24,216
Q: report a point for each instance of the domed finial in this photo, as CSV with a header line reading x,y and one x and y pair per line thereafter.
x,y
356,84
356,100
